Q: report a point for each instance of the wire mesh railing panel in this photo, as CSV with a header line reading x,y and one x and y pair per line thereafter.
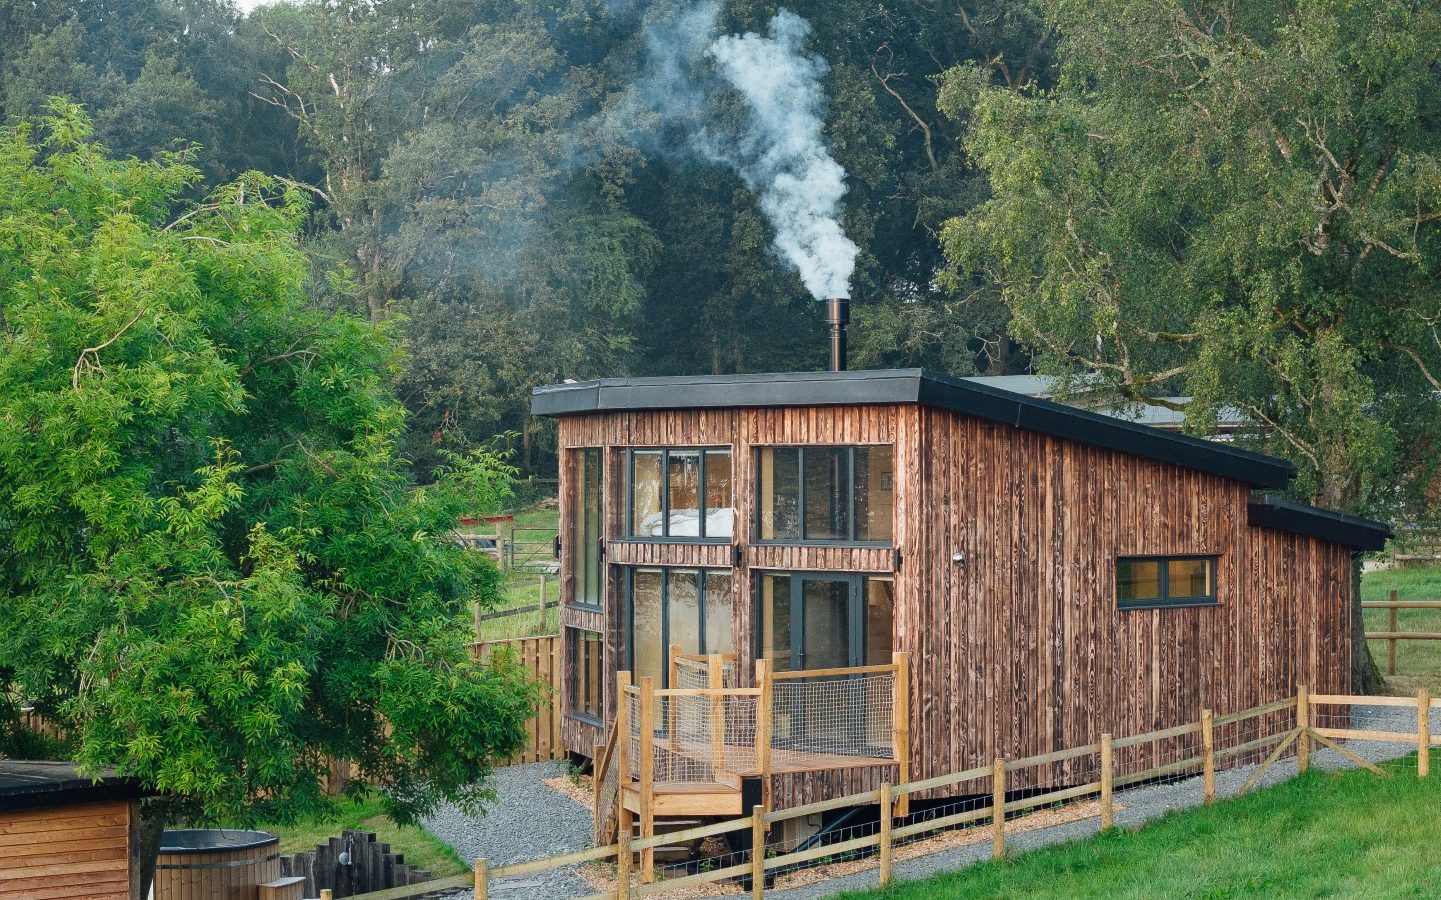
x,y
607,798
693,672
843,715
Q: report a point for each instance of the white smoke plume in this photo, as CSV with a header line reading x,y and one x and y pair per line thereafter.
x,y
782,155
780,152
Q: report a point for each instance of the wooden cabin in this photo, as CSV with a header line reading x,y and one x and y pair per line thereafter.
x,y
822,581
63,834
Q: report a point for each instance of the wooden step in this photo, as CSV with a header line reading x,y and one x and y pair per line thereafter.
x,y
692,799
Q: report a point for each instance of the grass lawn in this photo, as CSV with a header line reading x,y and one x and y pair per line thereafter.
x,y
420,848
1322,835
1418,663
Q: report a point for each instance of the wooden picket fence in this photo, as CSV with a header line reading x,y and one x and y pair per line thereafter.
x,y
541,659
1289,724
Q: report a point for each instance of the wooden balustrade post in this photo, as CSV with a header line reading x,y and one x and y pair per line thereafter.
x,y
998,808
1208,750
764,722
886,811
716,682
1423,733
622,731
597,778
1303,729
482,880
1108,774
758,852
1391,642
901,726
647,776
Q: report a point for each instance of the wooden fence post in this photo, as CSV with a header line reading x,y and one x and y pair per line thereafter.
x,y
544,592
1423,733
998,808
327,894
758,852
482,880
1303,729
1208,750
901,726
886,811
623,856
1108,768
1391,642
647,776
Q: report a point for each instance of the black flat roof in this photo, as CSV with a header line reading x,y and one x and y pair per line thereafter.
x,y
34,784
1313,521
913,386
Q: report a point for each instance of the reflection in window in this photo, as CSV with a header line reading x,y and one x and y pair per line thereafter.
x,y
827,494
681,494
822,621
1160,581
586,531
689,608
587,650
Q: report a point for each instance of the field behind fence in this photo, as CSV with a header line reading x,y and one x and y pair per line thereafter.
x,y
997,799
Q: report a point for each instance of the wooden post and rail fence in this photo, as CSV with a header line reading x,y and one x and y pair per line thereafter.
x,y
1393,632
1289,723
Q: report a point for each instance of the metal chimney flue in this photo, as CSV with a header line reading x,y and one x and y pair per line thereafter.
x,y
838,316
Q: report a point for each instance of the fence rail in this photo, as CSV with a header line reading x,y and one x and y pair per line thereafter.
x,y
540,657
1290,724
1393,632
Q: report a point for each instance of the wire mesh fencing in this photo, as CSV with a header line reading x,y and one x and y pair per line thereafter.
x,y
842,715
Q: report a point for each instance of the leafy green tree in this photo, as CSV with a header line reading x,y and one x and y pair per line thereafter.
x,y
215,572
1240,205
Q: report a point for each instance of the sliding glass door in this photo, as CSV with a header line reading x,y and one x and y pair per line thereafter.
x,y
824,620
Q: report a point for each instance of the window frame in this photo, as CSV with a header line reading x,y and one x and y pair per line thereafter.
x,y
575,640
628,610
803,541
1166,601
704,451
857,609
578,552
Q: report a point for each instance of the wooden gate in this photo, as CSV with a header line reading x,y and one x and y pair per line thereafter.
x,y
540,657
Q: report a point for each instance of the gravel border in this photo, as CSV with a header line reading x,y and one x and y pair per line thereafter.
x,y
530,821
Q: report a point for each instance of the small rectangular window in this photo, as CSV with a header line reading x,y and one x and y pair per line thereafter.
x,y
1150,581
587,650
680,495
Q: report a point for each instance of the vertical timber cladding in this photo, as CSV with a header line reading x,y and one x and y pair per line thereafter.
x,y
1021,650
742,430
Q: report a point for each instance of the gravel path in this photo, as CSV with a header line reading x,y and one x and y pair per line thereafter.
x,y
527,821
531,821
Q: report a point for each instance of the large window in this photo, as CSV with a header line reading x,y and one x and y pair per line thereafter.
x,y
586,531
824,620
587,651
681,495
688,608
1150,581
826,494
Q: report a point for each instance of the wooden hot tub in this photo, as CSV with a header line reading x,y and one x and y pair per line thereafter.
x,y
215,864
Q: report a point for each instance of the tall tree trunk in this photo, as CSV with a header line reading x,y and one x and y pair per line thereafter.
x,y
1340,490
154,814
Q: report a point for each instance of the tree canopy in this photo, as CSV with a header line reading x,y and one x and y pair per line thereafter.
x,y
216,571
1239,206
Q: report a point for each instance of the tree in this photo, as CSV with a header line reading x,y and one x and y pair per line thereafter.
x,y
1242,206
215,573
1239,204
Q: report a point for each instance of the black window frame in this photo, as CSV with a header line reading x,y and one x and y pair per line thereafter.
x,y
1166,601
628,611
629,524
578,552
574,640
803,541
856,602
